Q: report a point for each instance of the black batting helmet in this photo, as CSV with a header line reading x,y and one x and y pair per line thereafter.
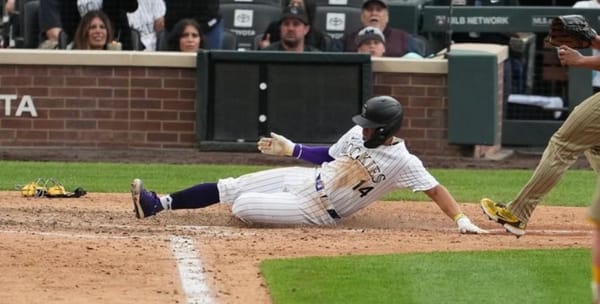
x,y
382,113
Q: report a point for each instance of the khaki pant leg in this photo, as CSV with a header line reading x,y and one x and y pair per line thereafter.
x,y
552,166
593,156
580,132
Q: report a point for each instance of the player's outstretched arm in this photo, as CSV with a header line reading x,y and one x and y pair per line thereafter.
x,y
442,197
573,58
279,145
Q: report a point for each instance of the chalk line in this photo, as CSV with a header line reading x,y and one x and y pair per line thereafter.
x,y
190,271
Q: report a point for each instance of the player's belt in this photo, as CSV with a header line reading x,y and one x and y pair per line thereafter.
x,y
325,199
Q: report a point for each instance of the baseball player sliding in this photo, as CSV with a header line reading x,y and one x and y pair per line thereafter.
x,y
363,165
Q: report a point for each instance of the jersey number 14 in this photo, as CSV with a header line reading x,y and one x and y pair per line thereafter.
x,y
363,190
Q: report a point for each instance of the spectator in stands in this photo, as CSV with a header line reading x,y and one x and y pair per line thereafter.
x,y
294,26
117,11
595,74
370,40
205,12
315,37
58,16
186,36
148,20
397,42
93,33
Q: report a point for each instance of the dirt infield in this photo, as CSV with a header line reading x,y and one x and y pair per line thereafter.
x,y
92,249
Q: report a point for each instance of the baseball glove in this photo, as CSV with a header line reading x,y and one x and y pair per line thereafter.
x,y
573,31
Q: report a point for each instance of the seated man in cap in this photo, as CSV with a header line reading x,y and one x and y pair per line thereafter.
x,y
294,26
397,42
371,40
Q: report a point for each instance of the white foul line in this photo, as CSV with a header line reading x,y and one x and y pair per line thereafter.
x,y
190,270
187,259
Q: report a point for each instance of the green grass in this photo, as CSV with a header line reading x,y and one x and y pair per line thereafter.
x,y
519,276
576,188
110,177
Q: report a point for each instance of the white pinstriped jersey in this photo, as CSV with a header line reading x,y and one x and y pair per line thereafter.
x,y
357,177
143,19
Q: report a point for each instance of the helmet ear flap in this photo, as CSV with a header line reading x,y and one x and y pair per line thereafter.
x,y
381,134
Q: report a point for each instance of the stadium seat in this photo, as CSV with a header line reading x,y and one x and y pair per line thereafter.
x,y
246,20
136,40
161,41
229,40
4,28
336,20
63,40
31,25
17,24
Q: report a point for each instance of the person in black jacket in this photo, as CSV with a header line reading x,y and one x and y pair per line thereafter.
x,y
315,38
206,12
117,12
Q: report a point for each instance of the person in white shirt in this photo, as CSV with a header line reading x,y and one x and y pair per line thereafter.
x,y
148,20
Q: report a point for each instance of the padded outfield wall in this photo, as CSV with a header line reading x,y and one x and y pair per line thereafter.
x,y
140,100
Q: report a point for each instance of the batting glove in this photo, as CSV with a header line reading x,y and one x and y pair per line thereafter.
x,y
466,226
276,145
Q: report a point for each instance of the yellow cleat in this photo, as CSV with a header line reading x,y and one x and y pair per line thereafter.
x,y
500,214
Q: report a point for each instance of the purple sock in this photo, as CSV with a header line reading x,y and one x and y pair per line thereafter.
x,y
199,196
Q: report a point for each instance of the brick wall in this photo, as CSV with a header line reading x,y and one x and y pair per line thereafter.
x,y
424,98
100,107
144,101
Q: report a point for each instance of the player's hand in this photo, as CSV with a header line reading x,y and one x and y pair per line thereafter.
x,y
159,24
264,42
276,145
466,226
569,56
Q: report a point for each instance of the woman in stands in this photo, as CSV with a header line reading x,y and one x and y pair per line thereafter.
x,y
314,38
94,32
186,36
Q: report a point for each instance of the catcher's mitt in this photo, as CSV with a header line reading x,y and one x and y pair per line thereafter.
x,y
571,30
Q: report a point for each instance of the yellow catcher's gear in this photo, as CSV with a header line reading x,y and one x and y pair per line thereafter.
x,y
48,188
33,189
